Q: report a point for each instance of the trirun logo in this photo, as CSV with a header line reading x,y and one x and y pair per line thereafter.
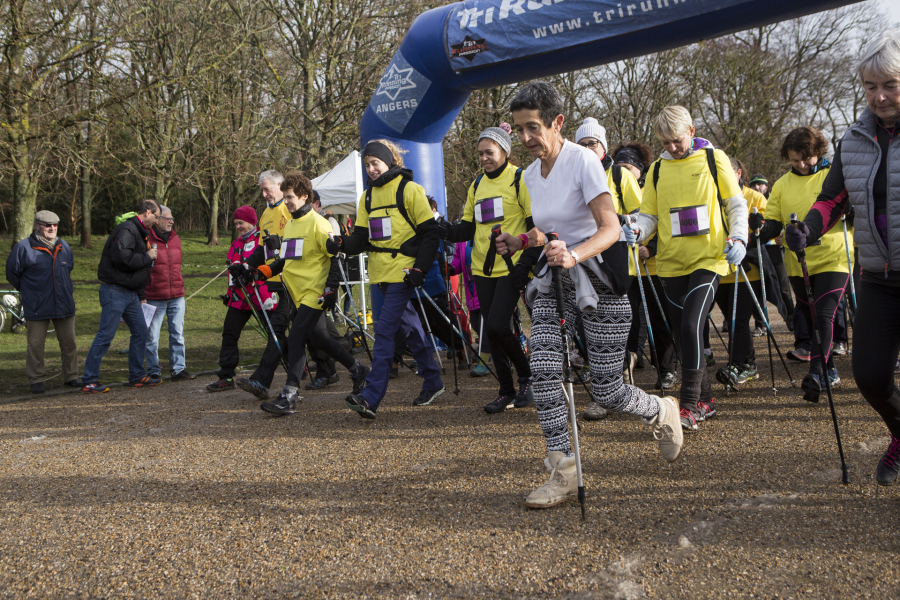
x,y
395,81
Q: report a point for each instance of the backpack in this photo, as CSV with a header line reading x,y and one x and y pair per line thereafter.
x,y
516,179
711,163
411,246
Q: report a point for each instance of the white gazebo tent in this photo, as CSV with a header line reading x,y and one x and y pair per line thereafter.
x,y
340,190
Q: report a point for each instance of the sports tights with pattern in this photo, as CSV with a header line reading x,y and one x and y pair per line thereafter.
x,y
606,330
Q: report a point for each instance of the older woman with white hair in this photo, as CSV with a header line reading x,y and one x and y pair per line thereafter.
x,y
865,178
570,197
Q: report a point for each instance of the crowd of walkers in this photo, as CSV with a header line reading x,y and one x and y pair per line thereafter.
x,y
605,250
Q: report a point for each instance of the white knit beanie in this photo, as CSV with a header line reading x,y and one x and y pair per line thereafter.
x,y
590,128
498,135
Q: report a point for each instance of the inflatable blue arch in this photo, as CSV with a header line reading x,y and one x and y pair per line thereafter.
x,y
453,50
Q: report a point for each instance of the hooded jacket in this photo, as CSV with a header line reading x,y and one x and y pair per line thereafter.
x,y
124,261
44,277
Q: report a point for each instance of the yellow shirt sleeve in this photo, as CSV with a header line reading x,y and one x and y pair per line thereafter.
x,y
631,190
648,196
469,209
362,216
417,206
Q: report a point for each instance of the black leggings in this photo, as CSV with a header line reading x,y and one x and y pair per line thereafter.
x,y
690,298
309,324
743,351
498,299
665,345
827,289
876,343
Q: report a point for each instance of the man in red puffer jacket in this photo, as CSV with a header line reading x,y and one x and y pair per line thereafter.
x,y
166,292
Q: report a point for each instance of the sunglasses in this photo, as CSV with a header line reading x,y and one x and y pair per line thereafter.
x,y
48,225
592,144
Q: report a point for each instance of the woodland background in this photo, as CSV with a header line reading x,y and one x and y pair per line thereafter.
x,y
187,101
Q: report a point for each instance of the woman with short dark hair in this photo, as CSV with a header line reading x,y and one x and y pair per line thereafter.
x,y
570,197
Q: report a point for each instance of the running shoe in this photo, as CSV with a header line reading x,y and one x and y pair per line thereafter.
x,y
710,359
359,380
320,383
747,373
833,378
499,404
667,429
688,420
594,412
426,397
839,349
479,371
254,387
812,387
758,331
37,388
359,405
706,409
667,383
183,375
889,465
148,381
285,404
525,395
221,385
798,354
729,376
95,388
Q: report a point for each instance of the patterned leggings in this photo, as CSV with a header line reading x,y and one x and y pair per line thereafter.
x,y
607,331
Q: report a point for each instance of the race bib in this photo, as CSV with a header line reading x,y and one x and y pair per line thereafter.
x,y
380,229
249,246
489,210
689,220
292,249
269,254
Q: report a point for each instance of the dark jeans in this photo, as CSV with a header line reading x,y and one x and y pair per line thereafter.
x,y
689,300
827,289
876,343
117,303
398,313
271,357
498,299
309,324
665,344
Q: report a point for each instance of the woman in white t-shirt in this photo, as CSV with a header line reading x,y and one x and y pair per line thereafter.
x,y
570,197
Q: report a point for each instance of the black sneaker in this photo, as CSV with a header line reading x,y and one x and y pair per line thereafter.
x,y
221,385
148,381
525,396
499,404
729,376
359,405
758,331
285,404
183,375
812,387
798,354
840,349
706,409
37,388
251,386
359,380
322,382
889,465
688,420
395,371
667,383
75,383
426,397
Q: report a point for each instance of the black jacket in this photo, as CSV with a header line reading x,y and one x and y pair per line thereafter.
x,y
125,261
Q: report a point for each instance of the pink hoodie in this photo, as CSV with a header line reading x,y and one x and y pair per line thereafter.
x,y
459,266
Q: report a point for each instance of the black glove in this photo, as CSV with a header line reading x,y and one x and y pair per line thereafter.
x,y
796,237
240,273
521,276
414,278
225,299
755,221
450,270
329,298
334,245
273,243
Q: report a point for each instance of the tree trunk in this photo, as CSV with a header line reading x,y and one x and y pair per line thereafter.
x,y
87,193
159,189
24,196
212,228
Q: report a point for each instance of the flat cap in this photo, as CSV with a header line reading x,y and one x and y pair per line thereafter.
x,y
46,216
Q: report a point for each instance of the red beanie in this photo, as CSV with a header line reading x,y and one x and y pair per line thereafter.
x,y
245,213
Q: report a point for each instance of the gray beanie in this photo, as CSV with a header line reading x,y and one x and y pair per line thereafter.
x,y
591,128
498,135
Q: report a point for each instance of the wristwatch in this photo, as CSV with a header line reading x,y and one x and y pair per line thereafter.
x,y
574,255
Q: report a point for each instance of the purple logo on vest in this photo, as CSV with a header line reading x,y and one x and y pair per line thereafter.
x,y
688,221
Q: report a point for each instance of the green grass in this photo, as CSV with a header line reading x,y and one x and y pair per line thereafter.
x,y
203,319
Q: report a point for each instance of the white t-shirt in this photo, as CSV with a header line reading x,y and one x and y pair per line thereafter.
x,y
559,203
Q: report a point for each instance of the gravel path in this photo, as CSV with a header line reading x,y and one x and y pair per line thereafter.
x,y
173,492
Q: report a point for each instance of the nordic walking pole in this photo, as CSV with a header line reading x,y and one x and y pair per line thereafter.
x,y
634,252
567,373
662,312
716,329
765,306
428,326
271,329
801,256
765,318
849,265
455,316
459,333
731,363
346,283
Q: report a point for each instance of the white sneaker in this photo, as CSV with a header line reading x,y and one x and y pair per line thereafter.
x,y
562,485
667,429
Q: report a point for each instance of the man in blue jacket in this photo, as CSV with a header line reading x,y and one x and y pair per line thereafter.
x,y
40,267
124,272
